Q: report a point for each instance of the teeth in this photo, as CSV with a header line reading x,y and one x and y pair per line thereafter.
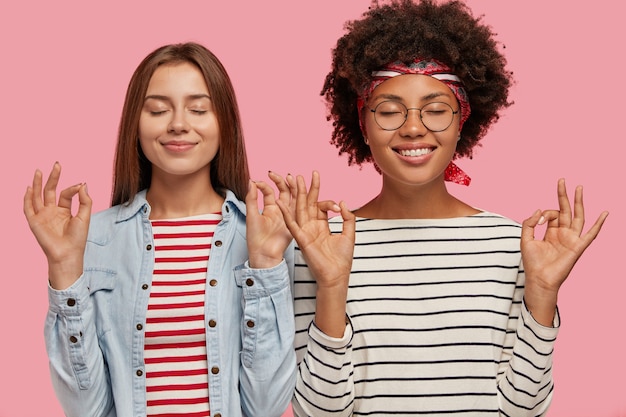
x,y
415,152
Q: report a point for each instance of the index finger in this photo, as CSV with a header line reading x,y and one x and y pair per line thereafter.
x,y
267,191
285,193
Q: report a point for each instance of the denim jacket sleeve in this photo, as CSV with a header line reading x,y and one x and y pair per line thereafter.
x,y
79,375
268,361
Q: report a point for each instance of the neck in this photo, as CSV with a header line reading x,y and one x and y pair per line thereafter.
x,y
184,196
424,201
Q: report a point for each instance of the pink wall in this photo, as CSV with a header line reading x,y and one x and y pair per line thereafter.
x,y
65,70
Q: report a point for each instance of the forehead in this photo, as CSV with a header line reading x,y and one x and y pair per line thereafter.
x,y
183,78
412,85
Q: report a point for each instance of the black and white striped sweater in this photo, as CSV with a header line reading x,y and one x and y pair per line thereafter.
x,y
437,326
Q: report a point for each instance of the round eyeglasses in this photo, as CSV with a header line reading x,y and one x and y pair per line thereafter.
x,y
435,116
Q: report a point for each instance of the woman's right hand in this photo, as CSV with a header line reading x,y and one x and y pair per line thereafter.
x,y
328,256
61,235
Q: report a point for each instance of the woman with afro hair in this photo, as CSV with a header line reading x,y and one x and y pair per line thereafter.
x,y
417,303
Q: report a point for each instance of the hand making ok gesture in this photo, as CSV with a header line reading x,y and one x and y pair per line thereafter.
x,y
61,235
548,261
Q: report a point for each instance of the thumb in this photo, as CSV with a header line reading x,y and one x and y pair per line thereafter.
x,y
84,204
528,226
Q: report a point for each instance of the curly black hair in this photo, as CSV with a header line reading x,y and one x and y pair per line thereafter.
x,y
401,31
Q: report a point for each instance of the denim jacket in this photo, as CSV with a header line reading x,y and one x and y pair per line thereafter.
x,y
94,329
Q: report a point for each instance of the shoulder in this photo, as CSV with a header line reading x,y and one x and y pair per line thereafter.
x,y
486,217
105,223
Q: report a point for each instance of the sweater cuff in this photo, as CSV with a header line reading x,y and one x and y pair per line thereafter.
x,y
334,343
539,328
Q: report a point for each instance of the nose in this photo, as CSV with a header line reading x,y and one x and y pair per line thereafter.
x,y
178,123
413,125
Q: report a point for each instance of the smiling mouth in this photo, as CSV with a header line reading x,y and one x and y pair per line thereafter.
x,y
178,146
414,152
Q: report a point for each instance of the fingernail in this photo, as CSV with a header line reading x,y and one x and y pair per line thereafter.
x,y
541,220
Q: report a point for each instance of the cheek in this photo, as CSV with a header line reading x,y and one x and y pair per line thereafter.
x,y
147,134
151,127
144,144
378,137
368,125
144,128
208,126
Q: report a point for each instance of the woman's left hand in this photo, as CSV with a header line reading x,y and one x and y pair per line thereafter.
x,y
548,261
267,235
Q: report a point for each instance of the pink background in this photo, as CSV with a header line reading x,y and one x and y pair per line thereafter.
x,y
65,69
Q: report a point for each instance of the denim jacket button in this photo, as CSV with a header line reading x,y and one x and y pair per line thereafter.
x,y
71,302
213,282
250,323
218,243
212,323
215,370
148,247
249,282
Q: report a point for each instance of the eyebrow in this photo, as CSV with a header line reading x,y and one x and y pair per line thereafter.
x,y
166,98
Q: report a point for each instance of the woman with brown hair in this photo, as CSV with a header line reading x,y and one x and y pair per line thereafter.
x,y
176,300
417,303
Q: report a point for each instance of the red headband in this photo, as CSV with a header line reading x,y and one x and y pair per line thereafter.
x,y
436,70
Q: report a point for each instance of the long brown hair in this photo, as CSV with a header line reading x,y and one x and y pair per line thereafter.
x,y
229,168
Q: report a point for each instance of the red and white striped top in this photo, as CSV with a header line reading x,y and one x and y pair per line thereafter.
x,y
175,338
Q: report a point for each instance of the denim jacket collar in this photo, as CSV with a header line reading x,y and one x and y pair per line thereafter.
x,y
140,203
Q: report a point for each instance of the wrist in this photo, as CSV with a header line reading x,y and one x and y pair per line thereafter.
x,y
63,275
541,304
330,310
257,261
337,290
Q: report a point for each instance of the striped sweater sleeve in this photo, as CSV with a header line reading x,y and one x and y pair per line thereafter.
x,y
325,385
525,384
